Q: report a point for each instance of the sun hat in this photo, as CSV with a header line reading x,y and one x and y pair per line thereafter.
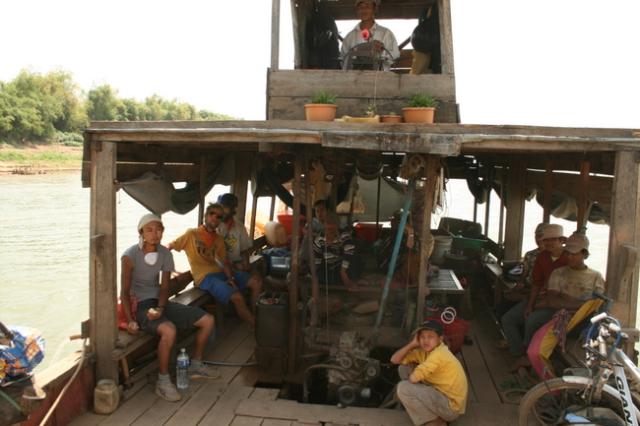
x,y
552,231
147,219
540,229
576,243
431,325
144,221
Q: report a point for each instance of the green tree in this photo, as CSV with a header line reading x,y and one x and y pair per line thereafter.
x,y
103,104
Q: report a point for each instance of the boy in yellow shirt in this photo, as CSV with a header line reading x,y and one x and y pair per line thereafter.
x,y
434,386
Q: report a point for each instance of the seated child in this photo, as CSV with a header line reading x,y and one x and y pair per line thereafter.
x,y
434,387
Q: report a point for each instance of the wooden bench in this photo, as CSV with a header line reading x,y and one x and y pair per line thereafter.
x,y
127,344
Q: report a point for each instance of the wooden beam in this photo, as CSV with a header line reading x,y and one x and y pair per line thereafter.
x,y
254,211
432,172
446,36
295,254
548,191
622,277
515,209
102,260
487,207
275,34
240,183
201,184
583,197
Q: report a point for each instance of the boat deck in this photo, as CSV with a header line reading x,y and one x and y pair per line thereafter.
x,y
233,399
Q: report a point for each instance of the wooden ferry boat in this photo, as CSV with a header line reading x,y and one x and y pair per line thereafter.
x,y
598,168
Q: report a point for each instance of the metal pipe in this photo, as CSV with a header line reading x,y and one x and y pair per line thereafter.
x,y
394,255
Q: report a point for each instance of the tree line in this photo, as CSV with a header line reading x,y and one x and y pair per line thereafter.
x,y
38,107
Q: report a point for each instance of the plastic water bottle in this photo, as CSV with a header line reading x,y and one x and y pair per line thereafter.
x,y
182,373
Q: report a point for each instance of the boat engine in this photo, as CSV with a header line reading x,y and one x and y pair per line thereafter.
x,y
350,383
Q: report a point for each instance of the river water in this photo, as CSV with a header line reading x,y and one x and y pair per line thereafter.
x,y
44,246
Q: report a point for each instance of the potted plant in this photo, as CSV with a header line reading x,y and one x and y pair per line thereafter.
x,y
321,108
392,117
421,109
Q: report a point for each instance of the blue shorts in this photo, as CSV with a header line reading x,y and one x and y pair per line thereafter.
x,y
216,285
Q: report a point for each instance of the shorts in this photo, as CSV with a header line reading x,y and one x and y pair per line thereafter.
x,y
216,285
182,316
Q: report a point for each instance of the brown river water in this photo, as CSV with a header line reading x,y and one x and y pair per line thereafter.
x,y
44,247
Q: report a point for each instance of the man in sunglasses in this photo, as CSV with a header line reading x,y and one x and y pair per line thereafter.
x,y
210,267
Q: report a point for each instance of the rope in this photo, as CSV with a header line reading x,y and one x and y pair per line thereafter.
x,y
11,401
66,387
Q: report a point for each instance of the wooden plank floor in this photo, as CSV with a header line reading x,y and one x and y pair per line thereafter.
x,y
232,399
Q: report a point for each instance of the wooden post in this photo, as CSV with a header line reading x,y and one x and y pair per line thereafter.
x,y
203,177
548,192
487,210
254,208
315,287
273,207
275,34
378,206
515,209
239,188
501,220
583,199
622,276
432,171
295,254
102,261
446,36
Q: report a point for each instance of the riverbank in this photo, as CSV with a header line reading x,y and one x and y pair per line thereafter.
x,y
39,159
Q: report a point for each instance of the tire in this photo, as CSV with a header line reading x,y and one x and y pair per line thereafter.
x,y
540,407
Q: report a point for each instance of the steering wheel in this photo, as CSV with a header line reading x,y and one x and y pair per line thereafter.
x,y
365,56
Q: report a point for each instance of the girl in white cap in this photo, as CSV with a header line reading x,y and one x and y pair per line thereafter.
x,y
146,269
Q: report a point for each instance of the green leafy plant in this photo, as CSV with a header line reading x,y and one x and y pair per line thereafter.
x,y
323,97
422,100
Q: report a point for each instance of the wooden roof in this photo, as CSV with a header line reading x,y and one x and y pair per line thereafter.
x,y
439,139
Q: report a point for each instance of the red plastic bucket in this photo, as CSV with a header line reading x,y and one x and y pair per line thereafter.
x,y
287,221
367,231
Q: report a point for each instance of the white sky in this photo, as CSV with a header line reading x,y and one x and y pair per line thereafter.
x,y
544,62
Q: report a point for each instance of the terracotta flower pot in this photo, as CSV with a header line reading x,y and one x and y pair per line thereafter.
x,y
418,115
391,118
320,112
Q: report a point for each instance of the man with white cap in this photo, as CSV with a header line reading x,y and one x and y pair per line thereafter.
x,y
522,321
570,285
142,265
368,31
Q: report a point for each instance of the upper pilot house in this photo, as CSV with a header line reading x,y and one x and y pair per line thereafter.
x,y
361,73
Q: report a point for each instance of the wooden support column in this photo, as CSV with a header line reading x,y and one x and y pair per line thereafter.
x,y
446,36
515,209
487,209
622,269
201,185
295,254
239,188
102,259
501,220
254,208
432,172
583,199
548,192
275,34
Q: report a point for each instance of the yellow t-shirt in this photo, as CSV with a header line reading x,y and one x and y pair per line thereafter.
x,y
442,370
202,260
